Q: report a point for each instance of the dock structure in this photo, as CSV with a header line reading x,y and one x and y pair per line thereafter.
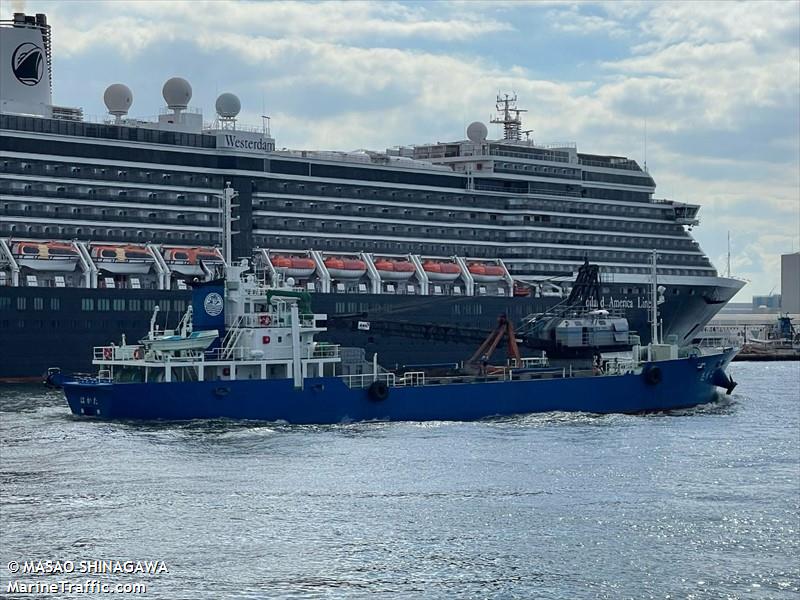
x,y
756,333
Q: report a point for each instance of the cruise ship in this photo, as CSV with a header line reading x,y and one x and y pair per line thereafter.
x,y
412,252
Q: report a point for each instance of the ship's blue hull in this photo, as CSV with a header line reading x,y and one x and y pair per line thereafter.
x,y
682,383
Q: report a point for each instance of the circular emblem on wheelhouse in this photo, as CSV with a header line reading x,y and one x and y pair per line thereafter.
x,y
27,62
213,304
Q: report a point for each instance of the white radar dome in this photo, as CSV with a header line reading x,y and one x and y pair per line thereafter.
x,y
477,132
118,98
177,92
228,105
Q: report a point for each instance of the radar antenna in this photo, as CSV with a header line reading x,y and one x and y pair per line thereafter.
x,y
509,117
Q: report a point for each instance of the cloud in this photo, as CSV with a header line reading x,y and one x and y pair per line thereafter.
x,y
137,25
573,21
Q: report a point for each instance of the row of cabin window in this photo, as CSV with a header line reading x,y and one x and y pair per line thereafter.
x,y
459,200
105,173
461,235
452,216
128,195
100,304
110,235
125,214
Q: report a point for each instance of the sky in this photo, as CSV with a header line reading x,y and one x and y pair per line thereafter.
x,y
708,93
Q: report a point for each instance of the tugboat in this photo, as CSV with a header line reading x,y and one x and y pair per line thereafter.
x,y
247,350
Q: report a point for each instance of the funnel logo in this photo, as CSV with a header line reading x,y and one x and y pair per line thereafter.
x,y
213,304
27,62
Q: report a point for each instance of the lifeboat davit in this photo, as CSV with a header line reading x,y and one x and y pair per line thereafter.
x,y
122,259
186,261
45,256
293,266
394,269
343,268
441,271
482,273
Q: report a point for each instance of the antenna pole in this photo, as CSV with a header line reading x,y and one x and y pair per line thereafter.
x,y
654,300
645,144
509,117
228,194
729,253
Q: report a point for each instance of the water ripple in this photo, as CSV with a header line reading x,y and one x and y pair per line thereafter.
x,y
699,503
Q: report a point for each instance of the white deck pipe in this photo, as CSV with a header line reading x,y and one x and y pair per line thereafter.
x,y
90,270
507,277
374,276
161,266
466,275
324,275
6,251
422,276
297,372
273,274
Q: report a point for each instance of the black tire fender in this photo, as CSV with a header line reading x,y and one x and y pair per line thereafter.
x,y
653,375
378,391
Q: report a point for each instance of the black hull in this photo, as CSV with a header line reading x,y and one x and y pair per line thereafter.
x,y
47,327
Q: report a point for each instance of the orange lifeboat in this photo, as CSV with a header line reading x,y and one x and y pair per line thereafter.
x,y
344,268
441,271
394,269
186,261
293,266
191,256
482,273
521,291
122,259
46,256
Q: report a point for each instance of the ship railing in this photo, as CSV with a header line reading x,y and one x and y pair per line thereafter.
x,y
325,351
529,362
718,340
412,378
127,352
551,157
619,366
364,380
628,165
227,354
259,320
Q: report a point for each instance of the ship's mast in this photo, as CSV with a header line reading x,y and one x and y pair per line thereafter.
x,y
654,300
728,274
509,117
227,218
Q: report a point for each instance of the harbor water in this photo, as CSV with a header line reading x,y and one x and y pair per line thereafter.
x,y
703,503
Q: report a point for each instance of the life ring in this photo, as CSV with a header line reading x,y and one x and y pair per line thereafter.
x,y
265,320
378,391
138,354
652,375
108,353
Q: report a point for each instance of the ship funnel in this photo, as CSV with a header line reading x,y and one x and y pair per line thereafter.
x,y
25,65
